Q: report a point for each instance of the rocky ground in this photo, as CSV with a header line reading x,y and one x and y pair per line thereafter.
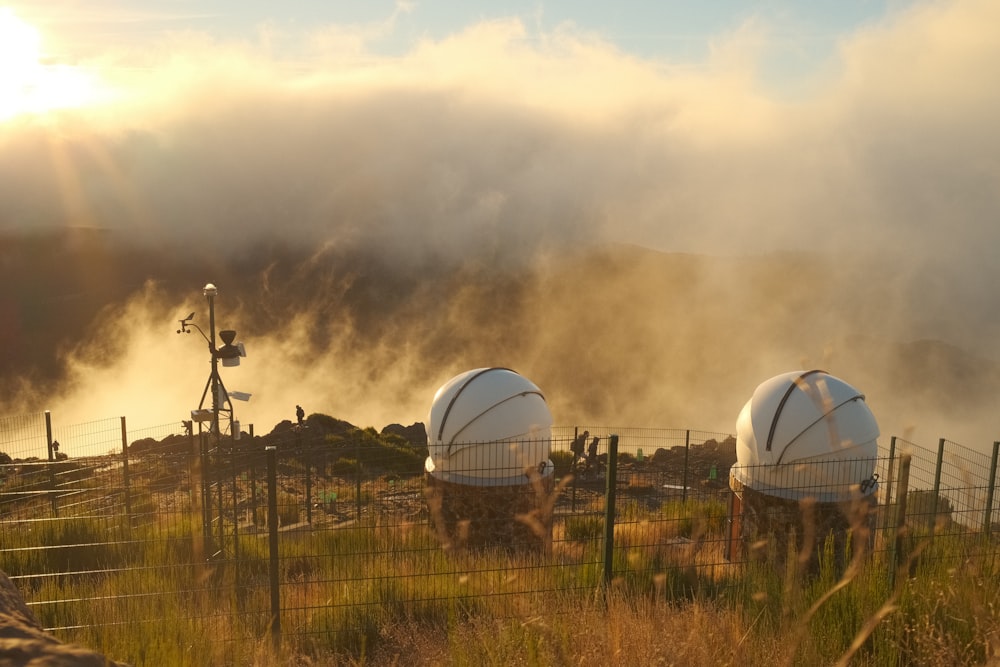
x,y
23,642
654,479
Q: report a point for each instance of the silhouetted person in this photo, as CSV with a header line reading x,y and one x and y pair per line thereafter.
x,y
592,453
578,445
300,414
56,454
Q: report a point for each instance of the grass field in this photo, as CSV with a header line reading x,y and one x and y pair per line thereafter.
x,y
387,594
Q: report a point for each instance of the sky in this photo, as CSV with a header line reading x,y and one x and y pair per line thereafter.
x,y
814,118
857,128
792,41
671,31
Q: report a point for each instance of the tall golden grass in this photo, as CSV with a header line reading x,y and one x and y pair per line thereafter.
x,y
381,593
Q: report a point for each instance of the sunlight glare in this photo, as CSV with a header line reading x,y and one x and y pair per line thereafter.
x,y
27,86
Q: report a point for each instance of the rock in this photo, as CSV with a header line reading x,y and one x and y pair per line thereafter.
x,y
415,434
24,643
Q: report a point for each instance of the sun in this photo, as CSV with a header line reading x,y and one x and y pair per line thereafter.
x,y
27,84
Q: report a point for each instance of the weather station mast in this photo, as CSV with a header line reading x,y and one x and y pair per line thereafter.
x,y
209,462
229,354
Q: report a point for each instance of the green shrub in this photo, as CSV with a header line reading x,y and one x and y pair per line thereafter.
x,y
288,508
381,452
562,462
585,527
345,467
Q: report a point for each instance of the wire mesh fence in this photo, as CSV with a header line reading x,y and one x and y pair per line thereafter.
x,y
312,534
23,436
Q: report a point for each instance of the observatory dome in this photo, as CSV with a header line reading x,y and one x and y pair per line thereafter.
x,y
486,427
806,434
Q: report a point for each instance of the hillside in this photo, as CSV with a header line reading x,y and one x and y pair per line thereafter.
x,y
614,334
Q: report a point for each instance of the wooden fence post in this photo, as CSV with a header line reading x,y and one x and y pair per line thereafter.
x,y
609,509
898,554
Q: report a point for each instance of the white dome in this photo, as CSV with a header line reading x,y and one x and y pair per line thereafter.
x,y
806,434
486,427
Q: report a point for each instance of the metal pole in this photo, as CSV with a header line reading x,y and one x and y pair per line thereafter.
x,y
357,480
687,451
937,486
210,293
236,516
609,509
988,513
272,534
52,458
125,481
572,472
48,435
253,481
218,488
888,482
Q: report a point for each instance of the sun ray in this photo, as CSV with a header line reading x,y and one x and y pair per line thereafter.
x,y
76,206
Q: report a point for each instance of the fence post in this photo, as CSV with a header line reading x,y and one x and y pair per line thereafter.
x,y
234,473
357,479
272,540
125,481
218,472
609,508
52,470
937,486
896,554
988,514
889,480
253,481
48,435
687,451
572,472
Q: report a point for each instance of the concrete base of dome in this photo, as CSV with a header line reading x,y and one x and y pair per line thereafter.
x,y
506,517
777,529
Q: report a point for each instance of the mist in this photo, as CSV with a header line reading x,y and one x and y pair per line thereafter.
x,y
645,240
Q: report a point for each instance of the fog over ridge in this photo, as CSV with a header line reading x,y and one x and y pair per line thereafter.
x,y
645,242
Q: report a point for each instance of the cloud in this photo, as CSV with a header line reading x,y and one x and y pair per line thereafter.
x,y
499,126
501,142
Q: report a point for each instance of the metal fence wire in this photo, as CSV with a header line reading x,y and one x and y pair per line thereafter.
x,y
307,536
